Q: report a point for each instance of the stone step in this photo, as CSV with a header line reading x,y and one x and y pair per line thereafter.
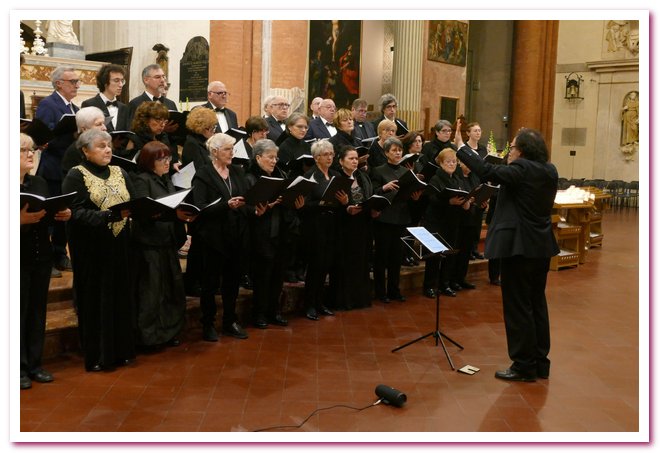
x,y
62,322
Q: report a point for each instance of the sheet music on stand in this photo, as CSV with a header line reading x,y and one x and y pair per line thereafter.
x,y
425,244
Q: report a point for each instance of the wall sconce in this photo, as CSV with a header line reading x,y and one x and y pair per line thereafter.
x,y
573,82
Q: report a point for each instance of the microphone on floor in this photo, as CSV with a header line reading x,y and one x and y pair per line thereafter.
x,y
389,395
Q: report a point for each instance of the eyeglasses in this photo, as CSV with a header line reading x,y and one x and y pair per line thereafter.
x,y
270,157
160,120
71,81
27,150
390,106
220,93
164,159
445,131
119,81
282,105
159,76
327,154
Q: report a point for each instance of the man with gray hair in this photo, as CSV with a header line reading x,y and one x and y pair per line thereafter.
x,y
279,112
155,89
218,96
363,129
50,110
388,108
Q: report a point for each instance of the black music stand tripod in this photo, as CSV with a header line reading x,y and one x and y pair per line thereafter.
x,y
419,252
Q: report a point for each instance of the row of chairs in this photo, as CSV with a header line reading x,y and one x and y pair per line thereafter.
x,y
624,194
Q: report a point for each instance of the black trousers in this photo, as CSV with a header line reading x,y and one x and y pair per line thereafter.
x,y
34,295
388,252
526,312
58,229
267,280
321,244
468,237
224,270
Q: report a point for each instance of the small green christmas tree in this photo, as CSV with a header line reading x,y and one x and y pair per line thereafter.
x,y
505,151
492,147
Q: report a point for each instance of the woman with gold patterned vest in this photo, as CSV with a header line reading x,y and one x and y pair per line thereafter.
x,y
99,246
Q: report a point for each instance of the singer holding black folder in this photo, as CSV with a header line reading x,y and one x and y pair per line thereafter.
x,y
36,261
149,124
294,145
320,230
390,226
161,299
222,232
443,215
269,239
351,269
99,241
521,235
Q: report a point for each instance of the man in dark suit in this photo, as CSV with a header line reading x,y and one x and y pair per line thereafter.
x,y
279,112
155,89
50,111
388,107
217,100
110,82
521,235
363,129
322,126
314,107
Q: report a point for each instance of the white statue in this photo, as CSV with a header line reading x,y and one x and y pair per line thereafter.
x,y
61,31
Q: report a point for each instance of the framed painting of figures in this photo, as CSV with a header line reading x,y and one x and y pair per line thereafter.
x,y
448,41
334,60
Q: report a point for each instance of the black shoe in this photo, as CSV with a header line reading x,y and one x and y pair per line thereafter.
x,y
477,256
383,299
95,368
326,311
398,298
455,286
209,334
261,323
496,282
467,285
430,293
63,264
515,375
278,320
174,342
54,273
448,292
312,314
235,330
543,371
26,383
42,376
408,261
246,282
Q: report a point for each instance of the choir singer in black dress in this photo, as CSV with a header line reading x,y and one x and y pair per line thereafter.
x,y
36,261
99,241
320,230
161,299
351,273
269,227
521,235
222,232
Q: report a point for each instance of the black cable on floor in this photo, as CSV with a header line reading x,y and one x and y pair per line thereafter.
x,y
313,413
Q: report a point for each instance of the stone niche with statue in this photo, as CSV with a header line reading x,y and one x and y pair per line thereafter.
x,y
61,40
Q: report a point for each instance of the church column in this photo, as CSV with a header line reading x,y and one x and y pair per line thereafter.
x,y
533,76
407,70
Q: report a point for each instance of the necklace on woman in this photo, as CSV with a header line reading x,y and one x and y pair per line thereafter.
x,y
226,180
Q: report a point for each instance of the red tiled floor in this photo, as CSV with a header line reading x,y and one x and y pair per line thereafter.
x,y
281,375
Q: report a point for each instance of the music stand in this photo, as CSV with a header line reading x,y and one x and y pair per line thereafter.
x,y
427,245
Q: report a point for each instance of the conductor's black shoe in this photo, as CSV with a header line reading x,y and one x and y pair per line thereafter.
x,y
63,264
430,293
26,383
455,286
543,371
246,282
261,323
278,320
326,311
515,375
209,334
236,331
312,314
448,292
42,376
467,285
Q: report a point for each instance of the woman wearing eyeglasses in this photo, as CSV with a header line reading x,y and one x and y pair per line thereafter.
x,y
161,300
269,244
36,261
442,130
99,241
294,145
149,124
222,232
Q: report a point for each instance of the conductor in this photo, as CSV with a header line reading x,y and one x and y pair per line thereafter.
x,y
521,235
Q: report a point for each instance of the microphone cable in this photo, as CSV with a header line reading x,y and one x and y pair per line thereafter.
x,y
358,409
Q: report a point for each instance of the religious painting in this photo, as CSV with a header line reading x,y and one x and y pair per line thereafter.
x,y
334,60
448,41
